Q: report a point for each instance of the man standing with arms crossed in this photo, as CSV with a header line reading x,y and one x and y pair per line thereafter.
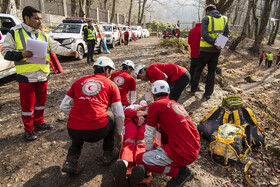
x,y
90,37
212,25
32,77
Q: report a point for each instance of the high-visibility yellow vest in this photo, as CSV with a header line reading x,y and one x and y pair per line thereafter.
x,y
21,40
216,26
91,34
270,57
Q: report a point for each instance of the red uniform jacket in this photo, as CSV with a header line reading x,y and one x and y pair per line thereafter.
x,y
194,40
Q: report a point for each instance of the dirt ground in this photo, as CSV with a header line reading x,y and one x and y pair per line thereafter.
x,y
38,163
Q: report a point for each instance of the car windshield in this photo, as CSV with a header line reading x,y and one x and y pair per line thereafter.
x,y
67,28
134,28
107,28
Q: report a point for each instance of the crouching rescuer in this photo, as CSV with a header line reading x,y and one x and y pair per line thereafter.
x,y
89,120
169,121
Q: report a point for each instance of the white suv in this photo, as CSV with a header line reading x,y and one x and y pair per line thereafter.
x,y
71,35
112,34
7,21
137,31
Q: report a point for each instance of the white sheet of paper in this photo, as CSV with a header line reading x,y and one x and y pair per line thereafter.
x,y
221,41
39,50
148,96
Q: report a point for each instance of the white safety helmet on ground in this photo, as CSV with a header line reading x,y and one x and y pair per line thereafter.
x,y
104,61
138,68
129,63
160,86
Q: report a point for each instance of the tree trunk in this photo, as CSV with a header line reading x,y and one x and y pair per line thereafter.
x,y
275,33
142,12
113,11
139,11
237,8
82,5
129,12
264,20
275,28
222,5
73,8
243,34
105,4
255,17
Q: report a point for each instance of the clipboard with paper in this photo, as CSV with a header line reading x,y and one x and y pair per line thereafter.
x,y
221,41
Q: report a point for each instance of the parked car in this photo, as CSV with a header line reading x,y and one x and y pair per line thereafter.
x,y
7,21
124,28
112,33
146,33
137,31
71,35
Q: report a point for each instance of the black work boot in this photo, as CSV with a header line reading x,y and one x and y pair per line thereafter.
x,y
30,135
71,165
137,175
42,127
109,156
119,174
183,176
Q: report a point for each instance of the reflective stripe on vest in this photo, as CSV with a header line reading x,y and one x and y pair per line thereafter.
x,y
216,26
23,66
91,34
270,56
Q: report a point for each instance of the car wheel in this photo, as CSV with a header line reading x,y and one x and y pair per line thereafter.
x,y
101,48
81,52
113,43
120,41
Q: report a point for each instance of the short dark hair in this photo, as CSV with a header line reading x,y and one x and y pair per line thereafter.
x,y
210,7
100,69
28,11
161,94
126,67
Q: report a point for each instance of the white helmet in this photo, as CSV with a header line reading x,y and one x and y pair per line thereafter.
x,y
160,86
129,63
138,68
104,61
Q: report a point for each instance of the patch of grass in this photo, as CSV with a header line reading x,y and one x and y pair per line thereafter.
x,y
174,42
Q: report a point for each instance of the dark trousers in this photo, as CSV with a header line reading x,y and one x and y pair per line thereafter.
x,y
177,86
211,59
78,138
91,45
126,39
269,63
194,62
261,59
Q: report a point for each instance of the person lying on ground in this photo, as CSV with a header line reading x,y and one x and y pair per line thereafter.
x,y
135,121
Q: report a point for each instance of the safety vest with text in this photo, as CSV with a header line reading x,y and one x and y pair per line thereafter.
x,y
91,34
21,40
216,26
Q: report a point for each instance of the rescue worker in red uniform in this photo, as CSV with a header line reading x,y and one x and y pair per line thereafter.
x,y
125,82
135,121
176,76
87,104
183,144
32,77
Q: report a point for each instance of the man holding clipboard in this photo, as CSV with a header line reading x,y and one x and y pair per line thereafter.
x,y
33,67
213,25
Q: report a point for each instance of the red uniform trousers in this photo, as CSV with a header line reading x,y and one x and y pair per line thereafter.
x,y
33,97
157,161
134,143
